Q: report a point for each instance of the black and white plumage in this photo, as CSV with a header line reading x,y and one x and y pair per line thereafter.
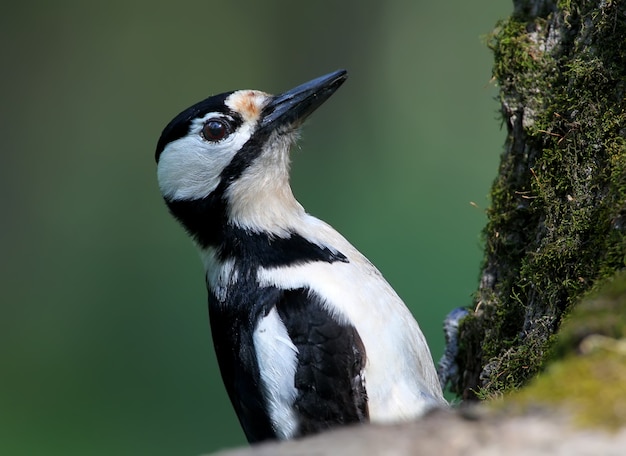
x,y
307,332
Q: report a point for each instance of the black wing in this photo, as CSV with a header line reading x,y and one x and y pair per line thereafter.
x,y
232,327
331,359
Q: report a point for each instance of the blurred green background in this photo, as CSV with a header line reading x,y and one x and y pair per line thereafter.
x,y
104,335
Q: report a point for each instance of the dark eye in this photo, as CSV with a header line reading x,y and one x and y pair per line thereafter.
x,y
215,130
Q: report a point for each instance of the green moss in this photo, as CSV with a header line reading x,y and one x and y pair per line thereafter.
x,y
591,388
601,313
557,222
587,373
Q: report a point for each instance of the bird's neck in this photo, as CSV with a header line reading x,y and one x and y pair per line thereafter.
x,y
260,199
270,209
267,206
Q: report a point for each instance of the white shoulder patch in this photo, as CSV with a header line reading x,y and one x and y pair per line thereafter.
x,y
278,359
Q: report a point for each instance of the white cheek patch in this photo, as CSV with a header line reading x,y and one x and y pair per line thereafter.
x,y
190,167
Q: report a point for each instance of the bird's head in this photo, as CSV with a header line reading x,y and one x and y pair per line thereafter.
x,y
228,155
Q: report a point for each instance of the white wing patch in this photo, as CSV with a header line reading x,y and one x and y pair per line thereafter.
x,y
278,359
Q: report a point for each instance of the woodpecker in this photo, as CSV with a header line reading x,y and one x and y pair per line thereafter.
x,y
308,334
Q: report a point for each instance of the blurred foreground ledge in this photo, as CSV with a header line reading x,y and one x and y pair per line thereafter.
x,y
447,433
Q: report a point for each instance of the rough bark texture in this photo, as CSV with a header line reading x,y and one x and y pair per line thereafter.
x,y
557,222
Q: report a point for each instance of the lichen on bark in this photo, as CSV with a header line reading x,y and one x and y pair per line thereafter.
x,y
557,221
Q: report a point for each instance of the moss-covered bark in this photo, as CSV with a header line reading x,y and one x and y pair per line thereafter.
x,y
557,222
587,374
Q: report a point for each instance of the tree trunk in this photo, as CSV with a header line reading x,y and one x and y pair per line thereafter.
x,y
557,222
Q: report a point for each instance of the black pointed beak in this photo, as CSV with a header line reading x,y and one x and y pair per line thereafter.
x,y
294,106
